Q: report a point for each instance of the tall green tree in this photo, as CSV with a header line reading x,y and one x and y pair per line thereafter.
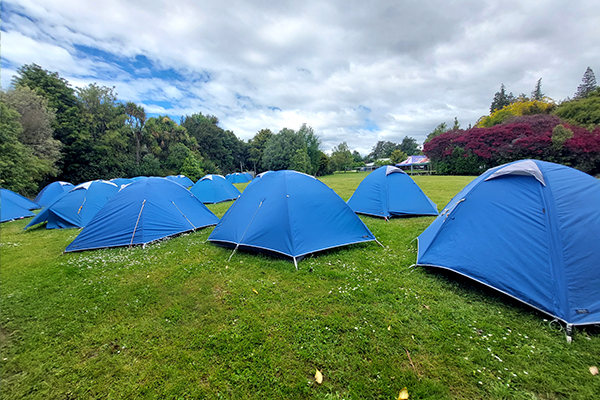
x,y
281,148
341,157
441,128
588,84
313,147
383,149
501,99
256,148
20,170
136,119
537,91
409,146
110,154
36,121
67,129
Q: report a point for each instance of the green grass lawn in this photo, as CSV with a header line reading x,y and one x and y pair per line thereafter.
x,y
177,320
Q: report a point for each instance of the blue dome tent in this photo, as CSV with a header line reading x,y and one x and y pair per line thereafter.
x,y
389,192
51,192
19,200
9,210
528,229
215,189
238,178
181,179
77,207
291,214
142,212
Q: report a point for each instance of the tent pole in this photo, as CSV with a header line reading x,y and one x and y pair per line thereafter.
x,y
242,238
136,222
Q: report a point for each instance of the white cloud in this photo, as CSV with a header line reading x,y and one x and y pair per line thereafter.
x,y
355,71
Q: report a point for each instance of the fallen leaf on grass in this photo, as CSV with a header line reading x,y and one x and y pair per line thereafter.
x,y
389,328
254,290
403,394
319,377
594,370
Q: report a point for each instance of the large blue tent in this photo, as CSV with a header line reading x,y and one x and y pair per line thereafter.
x,y
142,212
390,192
77,207
181,179
19,200
529,229
290,214
52,191
215,189
9,210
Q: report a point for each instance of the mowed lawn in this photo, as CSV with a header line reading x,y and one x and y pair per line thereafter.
x,y
178,320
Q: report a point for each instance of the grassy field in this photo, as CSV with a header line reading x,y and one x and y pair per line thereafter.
x,y
177,320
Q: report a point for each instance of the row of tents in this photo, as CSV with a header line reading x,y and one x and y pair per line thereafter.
x,y
528,229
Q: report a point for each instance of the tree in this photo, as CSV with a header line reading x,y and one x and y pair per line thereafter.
x,y
341,157
313,147
537,91
441,128
36,121
280,149
107,137
301,162
256,148
136,118
501,99
61,98
408,146
192,167
398,156
456,125
517,108
588,84
20,170
383,149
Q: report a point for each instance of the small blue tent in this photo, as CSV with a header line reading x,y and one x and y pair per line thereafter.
x,y
9,210
529,229
142,212
77,207
238,178
19,200
181,179
390,192
291,214
214,189
51,192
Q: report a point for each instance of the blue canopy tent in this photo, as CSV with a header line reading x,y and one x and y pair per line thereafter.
x,y
290,214
181,179
51,192
528,229
215,189
9,210
77,207
390,192
142,212
19,200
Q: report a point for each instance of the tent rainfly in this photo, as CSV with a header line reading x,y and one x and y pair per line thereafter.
x,y
528,229
19,200
390,192
142,212
77,207
9,210
290,214
213,189
51,192
181,179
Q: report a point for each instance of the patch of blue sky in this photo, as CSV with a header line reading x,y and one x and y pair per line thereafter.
x,y
370,125
273,108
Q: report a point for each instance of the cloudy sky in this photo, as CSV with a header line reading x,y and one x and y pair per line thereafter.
x,y
356,71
